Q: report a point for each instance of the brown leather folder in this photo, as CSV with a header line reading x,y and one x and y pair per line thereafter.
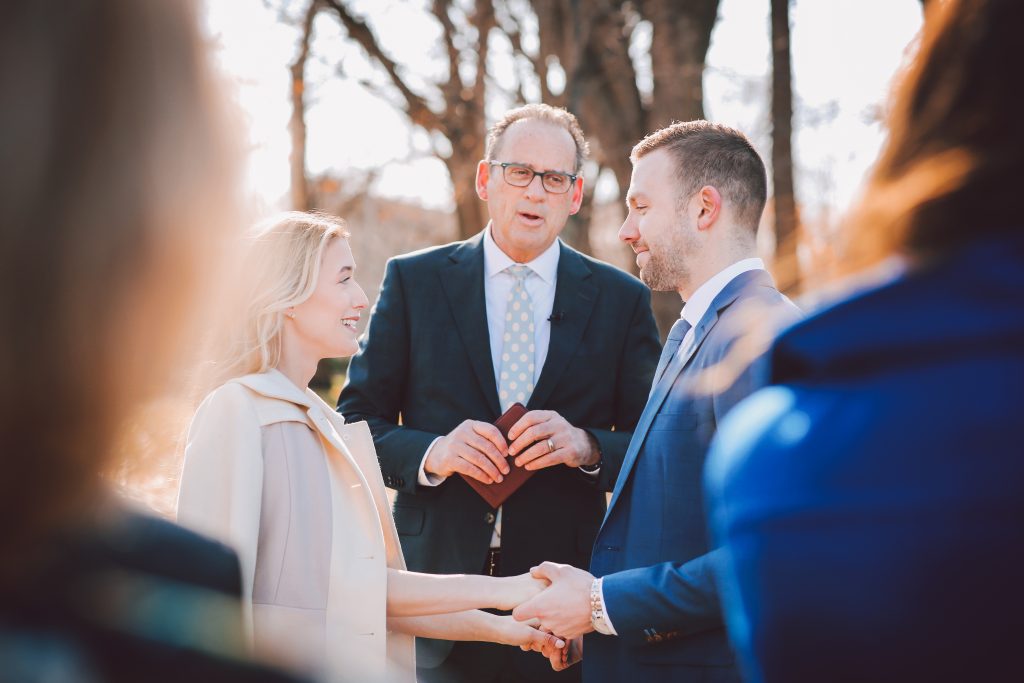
x,y
497,493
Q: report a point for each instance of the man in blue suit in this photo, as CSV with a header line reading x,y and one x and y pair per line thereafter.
x,y
652,613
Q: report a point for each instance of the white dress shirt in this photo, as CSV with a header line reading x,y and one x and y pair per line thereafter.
x,y
693,311
498,283
700,300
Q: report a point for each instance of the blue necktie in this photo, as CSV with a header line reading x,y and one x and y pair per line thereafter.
x,y
675,338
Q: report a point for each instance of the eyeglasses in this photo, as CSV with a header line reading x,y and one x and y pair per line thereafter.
x,y
518,175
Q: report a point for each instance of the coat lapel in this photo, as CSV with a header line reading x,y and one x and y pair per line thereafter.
x,y
575,295
663,386
462,280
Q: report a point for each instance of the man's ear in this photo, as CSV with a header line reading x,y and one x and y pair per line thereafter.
x,y
483,176
709,206
577,196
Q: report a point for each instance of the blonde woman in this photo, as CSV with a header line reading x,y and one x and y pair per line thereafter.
x,y
274,472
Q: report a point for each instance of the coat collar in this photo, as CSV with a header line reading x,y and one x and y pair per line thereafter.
x,y
961,305
462,280
274,384
743,284
575,296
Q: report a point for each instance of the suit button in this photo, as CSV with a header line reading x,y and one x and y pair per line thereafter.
x,y
489,518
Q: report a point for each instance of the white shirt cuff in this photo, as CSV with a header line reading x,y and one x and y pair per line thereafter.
x,y
424,478
604,609
590,473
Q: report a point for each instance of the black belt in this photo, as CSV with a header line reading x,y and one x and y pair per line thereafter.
x,y
492,567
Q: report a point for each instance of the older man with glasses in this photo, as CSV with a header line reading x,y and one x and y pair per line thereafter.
x,y
463,331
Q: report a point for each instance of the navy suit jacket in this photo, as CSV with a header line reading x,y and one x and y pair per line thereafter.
x,y
653,549
871,506
425,366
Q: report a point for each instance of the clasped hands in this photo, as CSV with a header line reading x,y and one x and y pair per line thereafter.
x,y
541,438
562,609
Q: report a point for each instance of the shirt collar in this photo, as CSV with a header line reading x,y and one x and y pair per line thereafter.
x,y
697,306
544,266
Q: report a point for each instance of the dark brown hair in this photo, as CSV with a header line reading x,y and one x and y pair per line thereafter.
x,y
952,167
712,154
113,187
557,116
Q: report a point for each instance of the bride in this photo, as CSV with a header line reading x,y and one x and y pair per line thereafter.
x,y
273,471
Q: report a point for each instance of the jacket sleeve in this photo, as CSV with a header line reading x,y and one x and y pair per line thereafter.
x,y
664,597
376,384
222,477
633,378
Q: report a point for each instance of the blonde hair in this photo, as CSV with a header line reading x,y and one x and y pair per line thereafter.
x,y
280,267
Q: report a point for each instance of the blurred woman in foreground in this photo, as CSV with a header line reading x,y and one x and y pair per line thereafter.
x,y
274,472
871,505
113,177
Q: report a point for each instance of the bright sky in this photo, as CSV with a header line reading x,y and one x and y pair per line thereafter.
x,y
844,54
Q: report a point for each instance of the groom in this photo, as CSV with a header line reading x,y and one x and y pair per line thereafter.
x,y
652,614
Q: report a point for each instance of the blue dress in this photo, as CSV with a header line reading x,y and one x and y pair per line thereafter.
x,y
871,502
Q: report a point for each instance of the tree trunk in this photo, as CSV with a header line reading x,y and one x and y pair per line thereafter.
x,y
297,125
787,267
469,209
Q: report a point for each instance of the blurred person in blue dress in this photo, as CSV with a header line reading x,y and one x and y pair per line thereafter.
x,y
871,502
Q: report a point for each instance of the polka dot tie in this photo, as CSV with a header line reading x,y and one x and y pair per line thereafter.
x,y
515,383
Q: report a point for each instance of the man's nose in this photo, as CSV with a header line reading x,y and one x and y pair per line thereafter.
x,y
536,187
628,232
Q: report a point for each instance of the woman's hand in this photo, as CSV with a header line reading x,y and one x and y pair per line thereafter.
x,y
519,589
528,637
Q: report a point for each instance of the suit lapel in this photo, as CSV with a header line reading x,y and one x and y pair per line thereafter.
x,y
675,367
575,295
463,283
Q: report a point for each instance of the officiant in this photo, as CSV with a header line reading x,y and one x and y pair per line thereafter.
x,y
462,332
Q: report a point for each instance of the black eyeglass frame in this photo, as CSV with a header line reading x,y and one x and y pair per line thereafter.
x,y
505,165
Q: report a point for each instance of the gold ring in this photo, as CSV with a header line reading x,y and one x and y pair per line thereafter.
x,y
551,445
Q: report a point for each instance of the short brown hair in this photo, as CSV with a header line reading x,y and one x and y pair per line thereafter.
x,y
712,154
542,112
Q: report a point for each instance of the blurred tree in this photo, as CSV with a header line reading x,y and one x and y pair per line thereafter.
x,y
787,221
625,68
297,124
459,120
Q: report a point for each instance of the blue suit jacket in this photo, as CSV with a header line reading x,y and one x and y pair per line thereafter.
x,y
872,505
653,549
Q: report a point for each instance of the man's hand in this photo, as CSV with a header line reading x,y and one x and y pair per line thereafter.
x,y
561,659
545,428
475,449
564,608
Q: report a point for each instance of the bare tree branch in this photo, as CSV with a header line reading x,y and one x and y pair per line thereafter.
x,y
454,84
416,106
